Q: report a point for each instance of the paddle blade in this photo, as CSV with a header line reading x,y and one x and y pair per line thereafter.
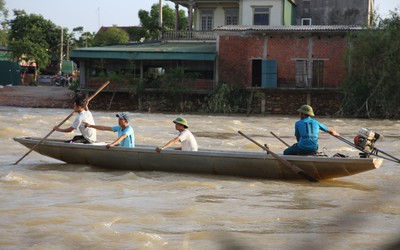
x,y
308,177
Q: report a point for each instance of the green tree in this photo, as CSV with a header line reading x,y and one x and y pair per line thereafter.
x,y
150,21
3,30
373,84
113,35
174,83
85,39
33,38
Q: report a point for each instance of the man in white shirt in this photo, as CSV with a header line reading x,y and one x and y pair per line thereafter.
x,y
88,135
188,142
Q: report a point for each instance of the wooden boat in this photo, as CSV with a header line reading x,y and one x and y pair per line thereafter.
x,y
233,163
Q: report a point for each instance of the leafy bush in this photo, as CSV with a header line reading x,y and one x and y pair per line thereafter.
x,y
230,98
372,88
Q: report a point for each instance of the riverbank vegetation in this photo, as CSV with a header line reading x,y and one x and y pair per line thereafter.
x,y
372,89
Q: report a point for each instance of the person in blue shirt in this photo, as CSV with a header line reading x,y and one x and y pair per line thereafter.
x,y
306,132
126,135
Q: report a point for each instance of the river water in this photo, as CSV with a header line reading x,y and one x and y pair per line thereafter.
x,y
47,204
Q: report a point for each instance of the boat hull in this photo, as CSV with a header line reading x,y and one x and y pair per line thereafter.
x,y
232,163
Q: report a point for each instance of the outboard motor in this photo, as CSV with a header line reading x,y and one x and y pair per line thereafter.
x,y
366,138
365,142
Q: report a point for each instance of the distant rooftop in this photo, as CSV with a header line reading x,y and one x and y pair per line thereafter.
x,y
290,28
125,28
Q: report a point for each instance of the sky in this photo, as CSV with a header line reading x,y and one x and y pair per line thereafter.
x,y
92,14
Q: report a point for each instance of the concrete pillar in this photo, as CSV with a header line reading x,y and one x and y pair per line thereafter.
x,y
190,15
309,61
263,102
265,51
83,73
176,16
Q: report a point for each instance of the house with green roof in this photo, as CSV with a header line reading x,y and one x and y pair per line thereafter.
x,y
193,50
250,43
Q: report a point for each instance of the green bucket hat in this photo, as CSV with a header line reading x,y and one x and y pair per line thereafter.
x,y
306,109
181,121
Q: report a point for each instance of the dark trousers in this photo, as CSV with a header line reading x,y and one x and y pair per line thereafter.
x,y
295,150
78,139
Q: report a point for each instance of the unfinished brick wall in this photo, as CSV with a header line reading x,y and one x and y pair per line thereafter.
x,y
332,50
236,53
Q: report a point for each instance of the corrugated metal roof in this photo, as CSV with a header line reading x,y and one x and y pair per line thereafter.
x,y
290,28
151,51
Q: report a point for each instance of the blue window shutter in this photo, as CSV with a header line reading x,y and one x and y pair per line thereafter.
x,y
269,74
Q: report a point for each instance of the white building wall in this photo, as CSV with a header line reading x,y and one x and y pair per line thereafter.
x,y
276,9
219,17
245,12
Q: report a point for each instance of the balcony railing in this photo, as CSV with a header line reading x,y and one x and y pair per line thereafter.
x,y
188,35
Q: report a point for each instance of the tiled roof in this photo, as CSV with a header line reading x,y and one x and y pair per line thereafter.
x,y
205,51
288,28
125,28
176,47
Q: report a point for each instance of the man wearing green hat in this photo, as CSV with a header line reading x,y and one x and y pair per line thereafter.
x,y
306,132
188,142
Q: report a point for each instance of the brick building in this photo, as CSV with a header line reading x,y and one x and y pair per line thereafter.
x,y
249,43
283,56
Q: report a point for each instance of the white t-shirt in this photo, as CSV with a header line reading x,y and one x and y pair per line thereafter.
x,y
187,140
88,133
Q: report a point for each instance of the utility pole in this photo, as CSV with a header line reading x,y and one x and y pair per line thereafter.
x,y
160,20
61,49
98,17
68,49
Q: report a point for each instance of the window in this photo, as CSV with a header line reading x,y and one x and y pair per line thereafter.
x,y
306,21
256,73
261,16
231,17
301,73
318,74
206,18
317,80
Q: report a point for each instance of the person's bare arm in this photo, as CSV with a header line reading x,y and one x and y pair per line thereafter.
x,y
99,127
64,130
87,103
86,106
333,132
169,144
117,141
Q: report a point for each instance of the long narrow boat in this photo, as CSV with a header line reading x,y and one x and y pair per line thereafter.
x,y
233,163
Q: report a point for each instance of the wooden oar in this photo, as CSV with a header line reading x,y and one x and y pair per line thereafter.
x,y
277,137
61,123
289,165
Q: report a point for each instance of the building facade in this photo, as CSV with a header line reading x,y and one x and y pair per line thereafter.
x,y
210,14
253,45
283,56
206,15
334,12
